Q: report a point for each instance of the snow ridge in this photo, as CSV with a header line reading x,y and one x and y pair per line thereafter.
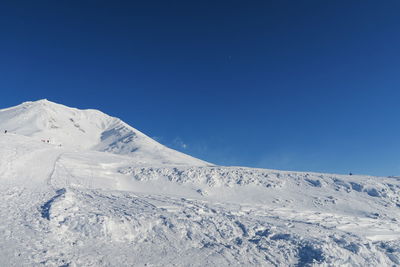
x,y
88,130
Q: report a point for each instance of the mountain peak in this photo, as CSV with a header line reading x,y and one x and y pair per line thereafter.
x,y
39,102
44,100
87,130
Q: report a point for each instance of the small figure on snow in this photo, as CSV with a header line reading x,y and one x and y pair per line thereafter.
x,y
5,131
350,173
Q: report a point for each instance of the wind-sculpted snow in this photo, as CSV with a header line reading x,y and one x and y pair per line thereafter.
x,y
153,230
145,205
387,189
211,176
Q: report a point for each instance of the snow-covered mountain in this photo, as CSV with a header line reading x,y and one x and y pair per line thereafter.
x,y
88,130
111,196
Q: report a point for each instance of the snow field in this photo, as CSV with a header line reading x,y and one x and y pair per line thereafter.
x,y
118,198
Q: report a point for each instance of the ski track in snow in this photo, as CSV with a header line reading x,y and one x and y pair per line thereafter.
x,y
63,206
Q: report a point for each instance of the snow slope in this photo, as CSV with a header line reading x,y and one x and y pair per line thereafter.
x,y
88,130
79,205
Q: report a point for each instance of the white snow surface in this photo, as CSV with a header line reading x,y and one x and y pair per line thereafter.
x,y
101,193
88,130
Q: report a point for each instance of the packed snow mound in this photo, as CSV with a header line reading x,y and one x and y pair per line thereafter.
x,y
88,130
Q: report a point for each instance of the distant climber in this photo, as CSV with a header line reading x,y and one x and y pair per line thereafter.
x,y
5,131
350,173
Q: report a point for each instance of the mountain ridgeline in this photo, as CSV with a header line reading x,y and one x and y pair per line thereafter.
x,y
88,130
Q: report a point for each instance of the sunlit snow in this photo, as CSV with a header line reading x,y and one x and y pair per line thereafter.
x,y
81,188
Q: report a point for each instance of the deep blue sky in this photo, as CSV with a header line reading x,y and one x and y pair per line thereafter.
x,y
295,85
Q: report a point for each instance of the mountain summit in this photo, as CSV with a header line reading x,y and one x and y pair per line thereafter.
x,y
88,130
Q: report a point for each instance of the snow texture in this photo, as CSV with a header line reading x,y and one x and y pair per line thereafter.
x,y
81,188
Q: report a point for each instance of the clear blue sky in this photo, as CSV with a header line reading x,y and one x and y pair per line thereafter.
x,y
295,85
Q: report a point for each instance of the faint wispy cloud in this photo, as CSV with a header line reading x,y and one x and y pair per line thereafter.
x,y
178,142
